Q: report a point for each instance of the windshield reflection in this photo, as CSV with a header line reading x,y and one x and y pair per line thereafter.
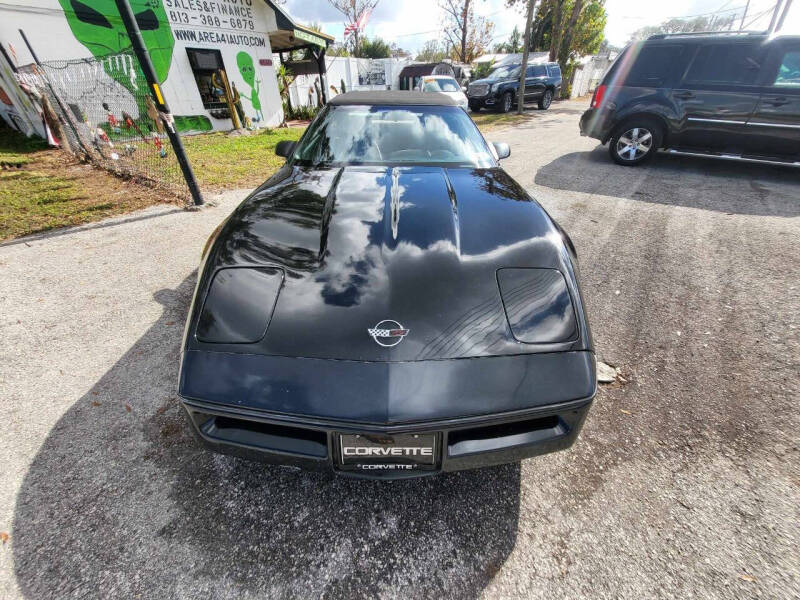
x,y
382,135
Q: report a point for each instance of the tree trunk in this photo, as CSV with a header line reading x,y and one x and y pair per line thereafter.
x,y
557,33
569,30
464,27
525,51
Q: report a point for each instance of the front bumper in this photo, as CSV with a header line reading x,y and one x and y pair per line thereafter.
x,y
483,411
482,101
312,444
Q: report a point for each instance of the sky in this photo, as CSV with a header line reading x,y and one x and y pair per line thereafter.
x,y
410,23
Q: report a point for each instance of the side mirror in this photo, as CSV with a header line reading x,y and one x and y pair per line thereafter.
x,y
285,148
502,149
464,89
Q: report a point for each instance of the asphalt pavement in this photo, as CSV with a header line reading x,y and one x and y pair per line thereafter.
x,y
685,482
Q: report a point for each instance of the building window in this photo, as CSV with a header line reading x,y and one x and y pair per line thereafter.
x,y
204,64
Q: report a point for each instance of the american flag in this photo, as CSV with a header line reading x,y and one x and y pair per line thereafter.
x,y
360,23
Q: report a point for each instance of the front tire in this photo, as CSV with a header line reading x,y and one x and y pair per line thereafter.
x,y
506,101
546,100
474,107
635,142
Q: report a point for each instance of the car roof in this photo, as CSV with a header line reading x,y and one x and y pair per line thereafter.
x,y
393,98
717,36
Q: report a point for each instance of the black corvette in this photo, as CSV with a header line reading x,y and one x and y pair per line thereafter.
x,y
389,304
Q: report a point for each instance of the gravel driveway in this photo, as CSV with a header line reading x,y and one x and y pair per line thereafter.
x,y
684,483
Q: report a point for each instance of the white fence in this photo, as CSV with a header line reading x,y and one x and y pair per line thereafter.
x,y
587,76
355,73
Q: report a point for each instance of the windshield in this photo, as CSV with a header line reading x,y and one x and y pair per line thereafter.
x,y
346,135
440,85
504,73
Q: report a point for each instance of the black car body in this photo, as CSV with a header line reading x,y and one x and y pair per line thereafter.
x,y
734,96
499,89
388,315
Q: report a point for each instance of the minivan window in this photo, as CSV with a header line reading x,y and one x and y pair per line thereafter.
x,y
654,65
555,71
789,71
725,64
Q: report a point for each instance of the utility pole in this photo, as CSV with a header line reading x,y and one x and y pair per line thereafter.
x,y
786,6
774,16
744,14
132,27
525,51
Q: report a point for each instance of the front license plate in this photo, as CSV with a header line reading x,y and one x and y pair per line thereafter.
x,y
382,452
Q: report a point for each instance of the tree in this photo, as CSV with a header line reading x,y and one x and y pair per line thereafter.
x,y
523,72
374,48
513,45
567,29
337,50
573,21
468,35
398,52
482,70
353,10
431,51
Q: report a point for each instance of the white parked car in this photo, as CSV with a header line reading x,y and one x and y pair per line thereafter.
x,y
446,85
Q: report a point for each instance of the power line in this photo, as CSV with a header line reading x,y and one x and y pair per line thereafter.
x,y
716,12
760,15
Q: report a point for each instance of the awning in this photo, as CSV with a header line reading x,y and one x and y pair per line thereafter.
x,y
293,36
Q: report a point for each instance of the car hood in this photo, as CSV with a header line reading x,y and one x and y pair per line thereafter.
x,y
418,245
491,81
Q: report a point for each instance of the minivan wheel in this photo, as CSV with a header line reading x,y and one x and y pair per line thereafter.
x,y
635,142
506,102
546,100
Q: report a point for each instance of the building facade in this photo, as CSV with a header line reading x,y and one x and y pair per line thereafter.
x,y
194,45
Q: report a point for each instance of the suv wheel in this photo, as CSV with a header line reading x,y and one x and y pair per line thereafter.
x,y
505,102
635,142
546,100
474,106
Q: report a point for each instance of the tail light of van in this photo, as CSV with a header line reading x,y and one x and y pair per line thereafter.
x,y
597,97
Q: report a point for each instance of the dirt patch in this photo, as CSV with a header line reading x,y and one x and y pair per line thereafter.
x,y
52,189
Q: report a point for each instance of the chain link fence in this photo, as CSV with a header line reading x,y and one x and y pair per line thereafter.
x,y
108,117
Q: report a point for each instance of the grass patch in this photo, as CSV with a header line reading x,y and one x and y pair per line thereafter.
x,y
487,121
42,189
32,201
222,161
15,148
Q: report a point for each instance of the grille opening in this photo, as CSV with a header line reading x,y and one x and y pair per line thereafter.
x,y
505,435
292,440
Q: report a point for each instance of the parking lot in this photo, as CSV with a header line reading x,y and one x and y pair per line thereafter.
x,y
685,481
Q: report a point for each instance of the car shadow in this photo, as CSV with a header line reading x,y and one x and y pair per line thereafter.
x,y
705,183
120,502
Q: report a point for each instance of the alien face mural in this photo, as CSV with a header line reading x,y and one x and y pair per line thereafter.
x,y
246,69
99,28
248,72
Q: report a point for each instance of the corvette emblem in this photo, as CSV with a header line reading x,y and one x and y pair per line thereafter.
x,y
388,333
